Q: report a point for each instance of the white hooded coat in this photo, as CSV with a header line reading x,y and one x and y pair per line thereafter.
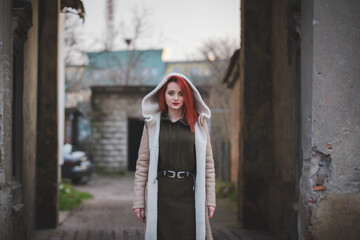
x,y
204,170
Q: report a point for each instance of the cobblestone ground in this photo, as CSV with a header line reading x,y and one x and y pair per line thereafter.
x,y
108,216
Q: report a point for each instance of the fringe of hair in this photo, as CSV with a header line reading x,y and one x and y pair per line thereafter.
x,y
189,112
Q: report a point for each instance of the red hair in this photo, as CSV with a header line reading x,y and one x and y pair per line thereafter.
x,y
189,112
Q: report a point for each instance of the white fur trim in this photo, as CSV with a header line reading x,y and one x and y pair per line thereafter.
x,y
152,184
200,148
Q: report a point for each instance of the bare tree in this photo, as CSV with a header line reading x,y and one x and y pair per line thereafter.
x,y
129,35
74,53
217,53
75,56
132,34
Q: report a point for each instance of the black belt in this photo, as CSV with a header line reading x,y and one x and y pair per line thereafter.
x,y
177,174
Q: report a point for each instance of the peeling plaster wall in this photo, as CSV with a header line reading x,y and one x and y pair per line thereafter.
x,y
329,201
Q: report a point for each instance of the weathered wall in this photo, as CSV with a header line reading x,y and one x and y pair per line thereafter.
x,y
5,118
18,195
284,93
269,153
111,108
282,195
306,113
329,201
30,110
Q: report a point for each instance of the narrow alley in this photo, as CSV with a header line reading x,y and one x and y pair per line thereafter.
x,y
280,80
108,216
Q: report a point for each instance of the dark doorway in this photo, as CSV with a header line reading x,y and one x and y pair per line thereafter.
x,y
135,128
72,118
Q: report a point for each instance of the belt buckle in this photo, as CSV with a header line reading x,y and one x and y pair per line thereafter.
x,y
173,174
180,172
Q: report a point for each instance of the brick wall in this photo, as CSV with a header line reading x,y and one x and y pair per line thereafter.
x,y
111,109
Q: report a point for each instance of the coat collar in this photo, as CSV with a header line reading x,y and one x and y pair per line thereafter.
x,y
167,118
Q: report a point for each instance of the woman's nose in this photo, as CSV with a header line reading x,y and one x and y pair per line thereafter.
x,y
176,96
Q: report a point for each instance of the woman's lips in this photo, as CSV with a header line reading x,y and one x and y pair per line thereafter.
x,y
176,104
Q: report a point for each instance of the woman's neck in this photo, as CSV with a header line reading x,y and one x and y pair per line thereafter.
x,y
175,115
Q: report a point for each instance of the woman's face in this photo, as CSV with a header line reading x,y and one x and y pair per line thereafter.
x,y
174,97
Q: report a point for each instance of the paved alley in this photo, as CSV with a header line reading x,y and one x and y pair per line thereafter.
x,y
108,216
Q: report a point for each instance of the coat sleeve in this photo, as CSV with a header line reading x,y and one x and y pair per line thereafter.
x,y
141,173
210,171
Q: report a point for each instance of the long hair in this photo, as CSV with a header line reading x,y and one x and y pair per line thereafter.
x,y
189,112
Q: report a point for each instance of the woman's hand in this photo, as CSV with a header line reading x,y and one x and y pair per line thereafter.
x,y
211,211
140,214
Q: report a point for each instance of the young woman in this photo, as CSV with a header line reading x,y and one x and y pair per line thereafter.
x,y
175,177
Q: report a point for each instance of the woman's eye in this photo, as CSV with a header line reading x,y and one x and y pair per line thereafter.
x,y
180,94
171,93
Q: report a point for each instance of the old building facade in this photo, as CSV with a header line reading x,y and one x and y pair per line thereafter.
x,y
117,125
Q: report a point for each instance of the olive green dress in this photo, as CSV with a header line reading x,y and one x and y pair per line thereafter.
x,y
176,198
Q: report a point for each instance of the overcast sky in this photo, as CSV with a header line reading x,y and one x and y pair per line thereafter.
x,y
181,26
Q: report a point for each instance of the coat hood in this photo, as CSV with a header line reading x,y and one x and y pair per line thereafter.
x,y
150,103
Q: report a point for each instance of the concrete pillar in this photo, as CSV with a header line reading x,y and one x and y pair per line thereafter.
x,y
47,138
256,127
330,101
